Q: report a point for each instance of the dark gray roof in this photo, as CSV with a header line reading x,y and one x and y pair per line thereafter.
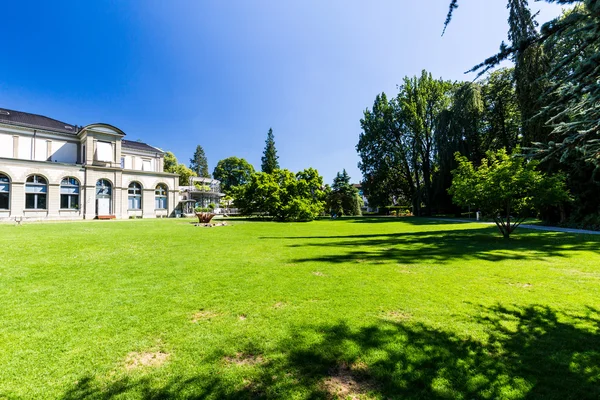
x,y
35,121
20,118
130,145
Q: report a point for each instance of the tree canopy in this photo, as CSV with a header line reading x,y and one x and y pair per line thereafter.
x,y
397,145
171,165
343,198
232,172
506,188
282,195
569,86
546,105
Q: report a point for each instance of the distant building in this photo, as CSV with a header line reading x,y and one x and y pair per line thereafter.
x,y
53,170
201,192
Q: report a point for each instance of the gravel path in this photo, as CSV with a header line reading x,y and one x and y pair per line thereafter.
x,y
535,227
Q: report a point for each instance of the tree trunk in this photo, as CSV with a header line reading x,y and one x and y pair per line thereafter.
x,y
507,228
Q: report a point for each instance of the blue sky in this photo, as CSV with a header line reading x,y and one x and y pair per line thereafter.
x,y
180,73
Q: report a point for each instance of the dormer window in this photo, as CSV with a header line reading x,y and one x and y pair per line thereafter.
x,y
104,151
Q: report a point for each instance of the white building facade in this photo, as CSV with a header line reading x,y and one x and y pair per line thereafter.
x,y
53,170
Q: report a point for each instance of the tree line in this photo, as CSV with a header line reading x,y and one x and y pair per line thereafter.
x,y
272,192
544,108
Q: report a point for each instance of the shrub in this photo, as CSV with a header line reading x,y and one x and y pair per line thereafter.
x,y
282,195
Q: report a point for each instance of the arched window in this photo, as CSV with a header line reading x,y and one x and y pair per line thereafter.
x,y
161,197
103,189
36,192
4,192
69,193
135,196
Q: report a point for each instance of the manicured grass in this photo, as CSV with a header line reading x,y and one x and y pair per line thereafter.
x,y
375,308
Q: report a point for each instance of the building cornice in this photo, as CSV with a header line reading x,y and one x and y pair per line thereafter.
x,y
149,173
40,163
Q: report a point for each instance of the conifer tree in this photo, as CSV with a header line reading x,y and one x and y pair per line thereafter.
x,y
269,158
199,163
531,67
344,198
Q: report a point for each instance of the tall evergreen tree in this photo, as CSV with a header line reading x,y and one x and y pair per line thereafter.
x,y
531,67
341,180
270,157
199,163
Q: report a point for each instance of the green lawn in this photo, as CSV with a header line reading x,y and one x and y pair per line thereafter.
x,y
368,308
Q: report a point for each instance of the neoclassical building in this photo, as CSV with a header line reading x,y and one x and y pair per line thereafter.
x,y
53,170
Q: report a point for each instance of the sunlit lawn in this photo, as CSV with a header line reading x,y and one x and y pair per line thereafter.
x,y
367,308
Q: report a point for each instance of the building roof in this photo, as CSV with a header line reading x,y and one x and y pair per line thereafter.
x,y
35,121
29,120
139,146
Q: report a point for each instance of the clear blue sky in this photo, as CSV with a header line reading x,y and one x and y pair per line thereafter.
x,y
180,73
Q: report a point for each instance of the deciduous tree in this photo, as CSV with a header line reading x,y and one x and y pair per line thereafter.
x,y
172,165
282,195
506,188
232,172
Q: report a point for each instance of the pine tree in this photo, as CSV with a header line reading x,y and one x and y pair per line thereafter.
x,y
341,180
269,158
199,163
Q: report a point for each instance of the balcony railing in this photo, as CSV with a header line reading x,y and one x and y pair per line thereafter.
x,y
202,188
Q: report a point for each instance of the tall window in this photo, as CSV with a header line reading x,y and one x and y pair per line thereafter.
x,y
104,151
135,196
161,197
69,193
36,192
4,192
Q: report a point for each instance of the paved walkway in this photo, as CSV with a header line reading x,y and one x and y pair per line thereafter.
x,y
535,227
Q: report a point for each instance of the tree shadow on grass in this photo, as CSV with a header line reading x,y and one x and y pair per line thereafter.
x,y
410,220
531,352
439,246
